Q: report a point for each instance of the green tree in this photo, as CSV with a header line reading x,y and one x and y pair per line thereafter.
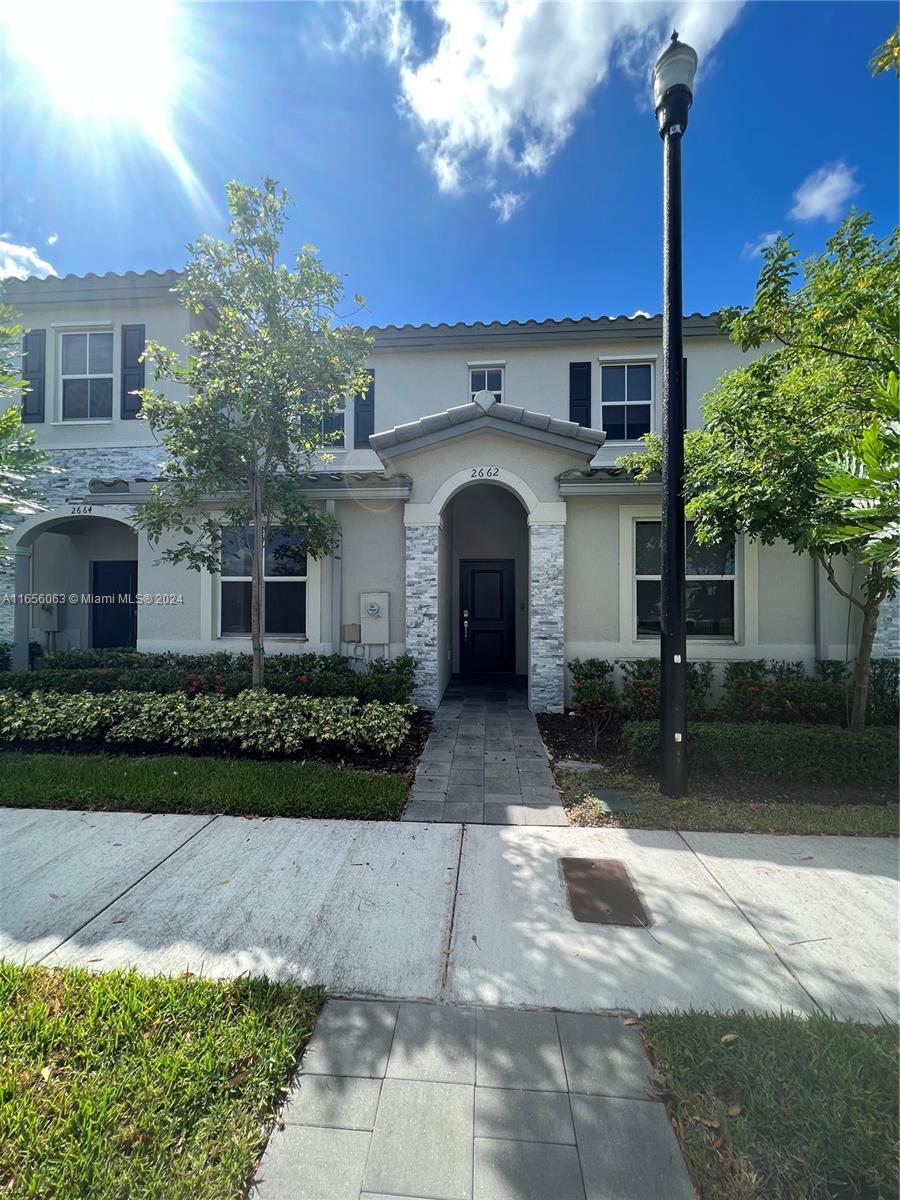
x,y
887,56
20,459
272,362
774,427
866,482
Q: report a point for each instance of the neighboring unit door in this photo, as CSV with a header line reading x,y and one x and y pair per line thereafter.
x,y
487,634
113,614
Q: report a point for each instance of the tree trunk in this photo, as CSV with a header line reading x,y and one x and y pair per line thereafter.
x,y
257,559
864,663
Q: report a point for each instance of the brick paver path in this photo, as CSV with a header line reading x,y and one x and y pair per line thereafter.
x,y
485,763
432,1102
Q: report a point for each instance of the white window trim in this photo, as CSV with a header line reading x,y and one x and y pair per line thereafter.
x,y
493,365
218,579
626,360
61,376
746,591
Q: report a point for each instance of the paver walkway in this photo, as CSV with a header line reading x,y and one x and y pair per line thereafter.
x,y
485,763
432,1102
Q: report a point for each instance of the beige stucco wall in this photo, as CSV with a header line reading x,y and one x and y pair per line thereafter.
x,y
373,559
165,321
411,383
536,463
592,570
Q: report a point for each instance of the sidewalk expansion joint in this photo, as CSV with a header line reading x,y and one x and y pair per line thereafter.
x,y
445,970
125,891
788,968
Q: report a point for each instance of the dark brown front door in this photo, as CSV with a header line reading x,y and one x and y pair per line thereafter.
x,y
487,610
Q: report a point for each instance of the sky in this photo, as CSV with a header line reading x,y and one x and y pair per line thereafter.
x,y
452,161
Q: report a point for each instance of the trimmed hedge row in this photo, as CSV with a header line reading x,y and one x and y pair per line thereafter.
x,y
754,690
809,753
255,722
100,671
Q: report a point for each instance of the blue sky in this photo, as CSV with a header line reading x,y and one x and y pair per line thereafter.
x,y
452,161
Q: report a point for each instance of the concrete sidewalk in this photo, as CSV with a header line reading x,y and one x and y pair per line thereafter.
x,y
460,913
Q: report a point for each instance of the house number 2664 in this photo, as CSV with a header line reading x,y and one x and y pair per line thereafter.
x,y
485,472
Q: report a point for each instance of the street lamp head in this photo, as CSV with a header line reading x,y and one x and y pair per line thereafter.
x,y
673,83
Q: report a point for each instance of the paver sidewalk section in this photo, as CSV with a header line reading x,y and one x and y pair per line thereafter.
x,y
485,762
432,1102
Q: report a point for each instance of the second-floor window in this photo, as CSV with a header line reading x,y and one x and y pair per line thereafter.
x,y
86,361
486,379
284,584
333,429
627,400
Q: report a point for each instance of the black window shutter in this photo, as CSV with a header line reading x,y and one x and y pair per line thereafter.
x,y
364,415
133,337
580,393
34,372
684,410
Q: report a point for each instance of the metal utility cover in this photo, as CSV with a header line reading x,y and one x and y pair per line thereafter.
x,y
601,892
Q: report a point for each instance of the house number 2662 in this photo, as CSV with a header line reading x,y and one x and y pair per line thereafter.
x,y
485,472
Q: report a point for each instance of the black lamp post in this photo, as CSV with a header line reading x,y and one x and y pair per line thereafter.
x,y
673,77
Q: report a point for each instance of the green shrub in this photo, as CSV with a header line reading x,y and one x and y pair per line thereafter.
x,y
5,656
584,670
778,690
224,674
597,701
809,753
640,687
255,721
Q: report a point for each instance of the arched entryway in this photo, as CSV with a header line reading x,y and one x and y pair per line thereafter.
x,y
434,555
485,526
80,572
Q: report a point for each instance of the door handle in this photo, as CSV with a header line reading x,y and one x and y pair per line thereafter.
x,y
465,628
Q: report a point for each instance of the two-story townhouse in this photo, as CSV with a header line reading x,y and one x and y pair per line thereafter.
x,y
483,525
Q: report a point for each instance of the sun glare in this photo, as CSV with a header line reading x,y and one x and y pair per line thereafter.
x,y
105,62
111,67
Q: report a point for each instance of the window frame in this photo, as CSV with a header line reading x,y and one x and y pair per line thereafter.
x,y
86,332
626,361
728,639
487,366
746,592
341,412
294,579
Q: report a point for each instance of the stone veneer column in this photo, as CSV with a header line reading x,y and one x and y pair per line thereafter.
x,y
546,618
422,543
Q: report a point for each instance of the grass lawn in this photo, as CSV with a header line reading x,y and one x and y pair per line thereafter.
x,y
789,1109
709,806
119,1086
184,784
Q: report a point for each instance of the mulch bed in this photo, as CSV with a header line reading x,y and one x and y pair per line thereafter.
x,y
566,735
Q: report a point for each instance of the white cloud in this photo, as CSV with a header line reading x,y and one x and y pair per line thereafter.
x,y
19,261
639,312
755,249
507,204
825,192
499,86
52,239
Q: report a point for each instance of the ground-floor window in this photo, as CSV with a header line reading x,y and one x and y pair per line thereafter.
x,y
284,586
710,583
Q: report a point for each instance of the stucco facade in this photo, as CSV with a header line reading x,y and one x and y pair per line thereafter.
x,y
492,527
